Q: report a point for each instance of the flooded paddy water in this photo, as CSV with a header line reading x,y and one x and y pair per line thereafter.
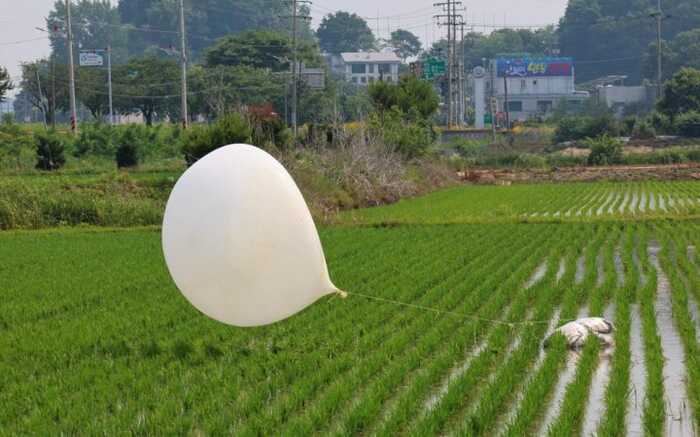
x,y
679,420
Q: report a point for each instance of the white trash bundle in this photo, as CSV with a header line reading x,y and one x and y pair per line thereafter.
x,y
577,332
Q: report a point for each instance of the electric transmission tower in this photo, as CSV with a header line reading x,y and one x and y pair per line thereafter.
x,y
455,61
296,16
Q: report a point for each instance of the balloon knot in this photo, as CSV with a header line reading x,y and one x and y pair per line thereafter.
x,y
342,294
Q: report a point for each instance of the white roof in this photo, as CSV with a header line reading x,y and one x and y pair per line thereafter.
x,y
353,57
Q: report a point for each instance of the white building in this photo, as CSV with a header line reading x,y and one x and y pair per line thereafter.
x,y
363,68
618,97
524,88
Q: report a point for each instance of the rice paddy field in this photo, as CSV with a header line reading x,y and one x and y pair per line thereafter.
x,y
451,299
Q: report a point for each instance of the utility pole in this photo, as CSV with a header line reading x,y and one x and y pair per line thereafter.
x,y
295,59
183,62
109,84
659,78
505,101
71,74
462,107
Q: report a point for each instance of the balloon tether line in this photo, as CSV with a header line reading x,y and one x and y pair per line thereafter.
x,y
345,294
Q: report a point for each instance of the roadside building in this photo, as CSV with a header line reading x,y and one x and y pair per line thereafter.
x,y
521,88
616,95
363,68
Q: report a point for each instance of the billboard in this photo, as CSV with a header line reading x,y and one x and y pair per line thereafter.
x,y
91,59
535,67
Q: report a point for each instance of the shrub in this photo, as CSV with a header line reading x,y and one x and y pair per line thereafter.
x,y
579,128
689,124
127,153
661,123
270,130
49,151
529,160
643,130
95,139
693,155
201,140
628,125
605,150
601,125
409,138
568,129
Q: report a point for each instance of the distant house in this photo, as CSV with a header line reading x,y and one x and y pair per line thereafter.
x,y
363,68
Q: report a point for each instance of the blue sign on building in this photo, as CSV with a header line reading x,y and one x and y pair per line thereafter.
x,y
534,67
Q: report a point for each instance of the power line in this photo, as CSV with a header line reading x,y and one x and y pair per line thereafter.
x,y
22,41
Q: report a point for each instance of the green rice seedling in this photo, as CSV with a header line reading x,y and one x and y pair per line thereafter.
x,y
654,410
617,392
318,420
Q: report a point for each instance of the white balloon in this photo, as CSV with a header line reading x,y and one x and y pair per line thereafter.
x,y
239,240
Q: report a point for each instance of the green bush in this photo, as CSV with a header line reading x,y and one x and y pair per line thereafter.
x,y
643,130
661,123
201,140
49,151
628,124
693,155
127,154
605,150
95,138
689,124
529,160
409,138
579,128
271,131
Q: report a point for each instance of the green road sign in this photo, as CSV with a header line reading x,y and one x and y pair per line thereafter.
x,y
433,68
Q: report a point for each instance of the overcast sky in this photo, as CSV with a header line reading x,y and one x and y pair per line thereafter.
x,y
19,19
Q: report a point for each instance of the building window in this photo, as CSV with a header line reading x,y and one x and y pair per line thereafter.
x,y
363,79
523,85
371,79
359,68
515,106
354,79
384,68
544,106
389,79
372,68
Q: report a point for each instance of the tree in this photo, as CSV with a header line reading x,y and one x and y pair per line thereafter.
x,y
96,25
415,98
206,21
149,85
5,83
225,89
681,93
405,44
682,51
45,86
91,90
257,49
344,32
612,36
